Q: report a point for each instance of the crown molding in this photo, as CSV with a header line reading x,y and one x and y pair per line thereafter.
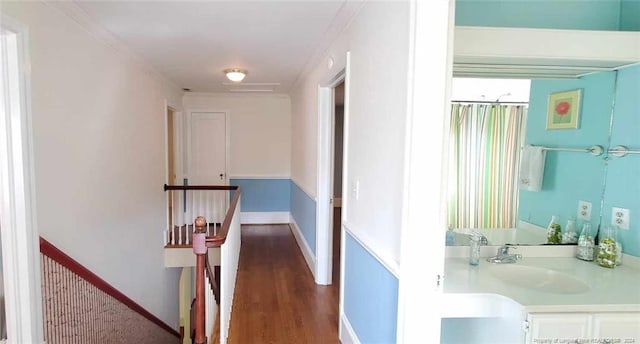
x,y
339,24
84,20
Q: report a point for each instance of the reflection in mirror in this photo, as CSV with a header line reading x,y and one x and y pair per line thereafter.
x,y
488,122
483,182
622,176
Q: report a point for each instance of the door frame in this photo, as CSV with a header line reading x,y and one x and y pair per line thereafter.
x,y
20,236
187,139
177,148
420,285
324,204
177,144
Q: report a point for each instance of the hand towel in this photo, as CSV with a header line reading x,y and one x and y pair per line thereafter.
x,y
531,168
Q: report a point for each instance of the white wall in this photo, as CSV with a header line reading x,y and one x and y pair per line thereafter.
x,y
260,131
98,126
379,45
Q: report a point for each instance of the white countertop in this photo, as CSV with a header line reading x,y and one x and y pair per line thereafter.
x,y
468,290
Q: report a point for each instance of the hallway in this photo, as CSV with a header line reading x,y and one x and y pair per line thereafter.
x,y
276,299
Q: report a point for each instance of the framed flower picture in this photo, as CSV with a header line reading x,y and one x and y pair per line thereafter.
x,y
563,110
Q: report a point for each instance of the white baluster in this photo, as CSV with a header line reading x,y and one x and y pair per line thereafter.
x,y
209,212
201,203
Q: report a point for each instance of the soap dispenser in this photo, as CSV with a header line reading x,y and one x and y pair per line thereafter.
x,y
450,239
475,239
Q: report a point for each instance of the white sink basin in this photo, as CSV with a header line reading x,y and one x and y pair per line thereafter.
x,y
537,278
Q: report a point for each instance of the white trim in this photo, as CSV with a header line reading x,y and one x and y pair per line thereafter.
x,y
340,23
592,46
264,217
429,76
359,236
324,207
345,176
346,333
248,176
515,52
342,265
196,94
305,190
20,238
304,247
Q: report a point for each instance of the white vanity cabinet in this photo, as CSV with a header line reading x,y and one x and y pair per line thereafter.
x,y
625,326
582,328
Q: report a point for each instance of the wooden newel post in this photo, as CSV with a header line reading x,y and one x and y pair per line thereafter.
x,y
200,249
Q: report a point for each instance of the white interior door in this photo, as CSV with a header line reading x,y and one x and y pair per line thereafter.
x,y
207,149
207,160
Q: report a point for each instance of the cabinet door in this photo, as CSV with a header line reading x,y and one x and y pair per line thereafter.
x,y
558,328
619,327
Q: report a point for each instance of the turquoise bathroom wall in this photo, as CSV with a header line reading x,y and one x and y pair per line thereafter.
x,y
569,177
560,14
630,15
623,173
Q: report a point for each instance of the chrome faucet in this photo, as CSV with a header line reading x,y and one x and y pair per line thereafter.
x,y
503,256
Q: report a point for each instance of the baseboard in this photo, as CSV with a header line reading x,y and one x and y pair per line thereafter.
x,y
264,217
347,334
309,257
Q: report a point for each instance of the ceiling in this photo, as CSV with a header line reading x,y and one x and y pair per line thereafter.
x,y
192,42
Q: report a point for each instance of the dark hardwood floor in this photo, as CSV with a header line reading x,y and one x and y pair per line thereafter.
x,y
276,299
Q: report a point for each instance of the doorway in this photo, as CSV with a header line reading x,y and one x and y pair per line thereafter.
x,y
338,149
22,294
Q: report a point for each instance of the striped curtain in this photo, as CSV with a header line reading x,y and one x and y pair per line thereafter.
x,y
486,142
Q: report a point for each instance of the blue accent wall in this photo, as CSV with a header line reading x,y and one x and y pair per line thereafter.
x,y
264,195
623,174
569,177
560,14
303,210
370,295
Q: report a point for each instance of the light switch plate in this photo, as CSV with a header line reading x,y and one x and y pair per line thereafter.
x,y
584,210
355,190
620,217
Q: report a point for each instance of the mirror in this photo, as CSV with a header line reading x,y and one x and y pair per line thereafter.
x,y
609,116
569,177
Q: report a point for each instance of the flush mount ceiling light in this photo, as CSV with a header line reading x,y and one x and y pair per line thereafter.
x,y
235,74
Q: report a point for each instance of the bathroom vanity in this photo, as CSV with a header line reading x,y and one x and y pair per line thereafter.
x,y
546,297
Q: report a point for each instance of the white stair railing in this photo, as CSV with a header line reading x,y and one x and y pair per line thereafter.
x,y
188,202
228,239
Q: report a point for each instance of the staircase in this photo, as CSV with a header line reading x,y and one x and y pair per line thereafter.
x,y
211,244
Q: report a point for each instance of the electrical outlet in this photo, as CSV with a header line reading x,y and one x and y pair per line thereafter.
x,y
584,210
620,217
